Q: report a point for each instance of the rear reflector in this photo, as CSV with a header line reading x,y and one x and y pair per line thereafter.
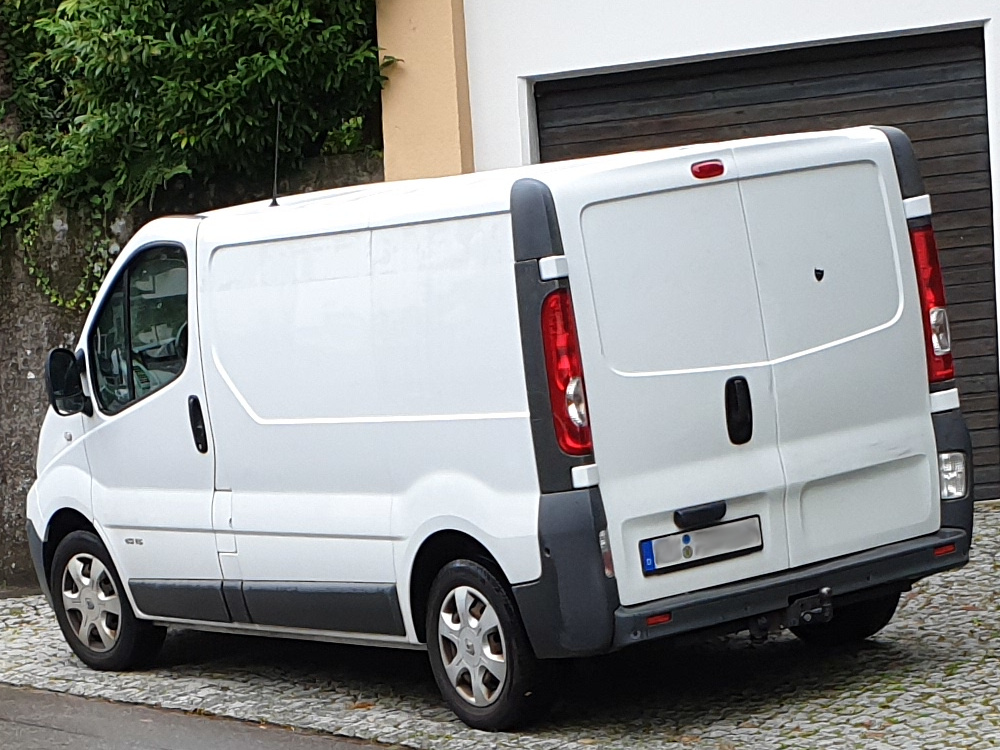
x,y
658,619
940,366
704,170
565,372
945,550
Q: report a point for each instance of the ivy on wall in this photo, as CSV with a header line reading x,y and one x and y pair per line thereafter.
x,y
111,99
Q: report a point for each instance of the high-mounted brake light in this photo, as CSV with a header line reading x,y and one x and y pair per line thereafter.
x,y
704,170
565,373
940,365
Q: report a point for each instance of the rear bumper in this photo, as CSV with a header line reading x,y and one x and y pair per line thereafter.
x,y
573,608
892,566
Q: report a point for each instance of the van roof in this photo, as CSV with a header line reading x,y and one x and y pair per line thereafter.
x,y
467,194
406,201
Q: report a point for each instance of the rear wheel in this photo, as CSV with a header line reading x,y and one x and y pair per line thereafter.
x,y
479,653
852,623
93,612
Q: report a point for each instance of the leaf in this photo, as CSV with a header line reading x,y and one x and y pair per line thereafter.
x,y
116,99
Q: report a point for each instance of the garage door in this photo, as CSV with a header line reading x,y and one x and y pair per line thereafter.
x,y
932,86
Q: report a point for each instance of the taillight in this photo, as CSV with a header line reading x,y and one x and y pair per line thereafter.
x,y
565,372
936,332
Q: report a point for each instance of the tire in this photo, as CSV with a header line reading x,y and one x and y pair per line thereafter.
x,y
479,653
93,611
851,623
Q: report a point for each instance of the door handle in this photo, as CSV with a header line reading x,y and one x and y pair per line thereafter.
x,y
739,411
699,515
197,424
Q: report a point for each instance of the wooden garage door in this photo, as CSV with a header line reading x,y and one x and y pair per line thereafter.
x,y
932,86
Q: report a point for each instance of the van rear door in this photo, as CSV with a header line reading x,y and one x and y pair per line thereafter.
x,y
834,269
674,354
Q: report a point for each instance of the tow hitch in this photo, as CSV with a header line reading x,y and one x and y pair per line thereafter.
x,y
808,610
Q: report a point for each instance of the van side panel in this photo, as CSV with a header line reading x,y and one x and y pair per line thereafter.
x,y
367,390
288,336
450,339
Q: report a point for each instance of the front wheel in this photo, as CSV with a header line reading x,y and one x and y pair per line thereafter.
x,y
852,623
479,652
93,612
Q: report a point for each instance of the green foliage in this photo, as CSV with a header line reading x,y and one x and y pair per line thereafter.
x,y
116,97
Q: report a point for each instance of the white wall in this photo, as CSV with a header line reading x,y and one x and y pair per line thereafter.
x,y
511,43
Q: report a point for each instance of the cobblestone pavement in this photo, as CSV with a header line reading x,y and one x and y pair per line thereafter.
x,y
929,680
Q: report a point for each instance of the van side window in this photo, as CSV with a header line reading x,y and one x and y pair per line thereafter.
x,y
140,341
108,345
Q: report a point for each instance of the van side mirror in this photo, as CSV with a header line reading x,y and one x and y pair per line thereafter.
x,y
64,384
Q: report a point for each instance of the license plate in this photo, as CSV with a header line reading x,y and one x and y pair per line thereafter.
x,y
711,544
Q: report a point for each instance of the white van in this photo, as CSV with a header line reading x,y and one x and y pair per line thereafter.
x,y
360,416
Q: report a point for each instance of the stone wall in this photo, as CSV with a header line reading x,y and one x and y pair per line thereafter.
x,y
30,326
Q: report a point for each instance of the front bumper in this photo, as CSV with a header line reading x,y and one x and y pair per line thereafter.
x,y
37,559
891,566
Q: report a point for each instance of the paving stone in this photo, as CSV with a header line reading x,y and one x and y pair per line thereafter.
x,y
930,679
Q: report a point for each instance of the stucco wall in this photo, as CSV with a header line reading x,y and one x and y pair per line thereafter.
x,y
427,128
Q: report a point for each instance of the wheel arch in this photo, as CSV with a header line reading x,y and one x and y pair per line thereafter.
x,y
436,551
63,523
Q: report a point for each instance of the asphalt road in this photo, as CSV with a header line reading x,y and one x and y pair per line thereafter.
x,y
35,720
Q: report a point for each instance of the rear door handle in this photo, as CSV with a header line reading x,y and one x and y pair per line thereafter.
x,y
739,411
197,424
699,515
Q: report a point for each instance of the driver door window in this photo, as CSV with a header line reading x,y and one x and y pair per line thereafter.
x,y
139,343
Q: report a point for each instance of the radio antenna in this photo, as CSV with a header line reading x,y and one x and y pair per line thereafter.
x,y
277,137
